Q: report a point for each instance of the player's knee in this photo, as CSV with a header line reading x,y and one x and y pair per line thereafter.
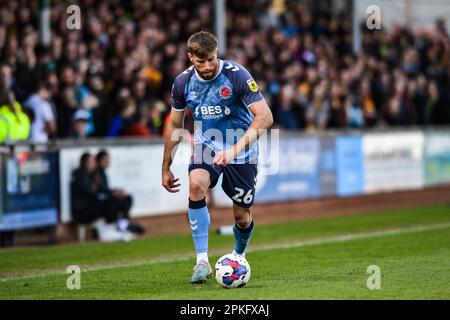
x,y
243,223
196,189
243,219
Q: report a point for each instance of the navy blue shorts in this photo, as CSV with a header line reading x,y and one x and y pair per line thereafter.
x,y
238,182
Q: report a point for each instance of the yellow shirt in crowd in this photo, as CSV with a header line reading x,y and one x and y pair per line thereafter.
x,y
13,126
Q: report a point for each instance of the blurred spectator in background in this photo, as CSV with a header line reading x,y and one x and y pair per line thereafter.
x,y
318,111
122,201
354,113
134,49
43,125
157,111
6,80
127,111
286,115
337,112
138,127
14,123
91,204
80,124
66,106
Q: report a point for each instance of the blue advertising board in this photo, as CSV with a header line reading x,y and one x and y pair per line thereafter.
x,y
29,191
349,166
298,172
327,166
437,158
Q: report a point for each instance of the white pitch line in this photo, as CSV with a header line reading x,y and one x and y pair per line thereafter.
x,y
184,257
355,236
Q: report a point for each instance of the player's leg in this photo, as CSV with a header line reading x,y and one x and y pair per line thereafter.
x,y
239,182
200,179
242,229
198,213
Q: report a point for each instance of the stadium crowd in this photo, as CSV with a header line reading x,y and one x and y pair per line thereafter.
x,y
114,76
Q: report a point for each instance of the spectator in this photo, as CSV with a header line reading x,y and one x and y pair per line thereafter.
x,y
122,200
138,127
43,125
66,106
432,103
14,123
355,117
139,92
6,79
285,114
80,124
157,111
103,65
368,104
396,111
124,118
337,111
317,113
90,204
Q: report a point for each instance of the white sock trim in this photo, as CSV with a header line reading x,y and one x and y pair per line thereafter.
x,y
202,256
237,254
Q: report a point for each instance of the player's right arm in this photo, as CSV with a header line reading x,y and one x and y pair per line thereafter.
x,y
171,141
172,137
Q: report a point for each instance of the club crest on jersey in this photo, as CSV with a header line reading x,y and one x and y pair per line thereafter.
x,y
252,85
225,92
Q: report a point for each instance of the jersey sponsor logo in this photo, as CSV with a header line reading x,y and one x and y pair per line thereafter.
x,y
225,92
252,85
211,112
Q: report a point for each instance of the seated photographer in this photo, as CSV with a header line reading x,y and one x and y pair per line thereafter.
x,y
89,203
122,200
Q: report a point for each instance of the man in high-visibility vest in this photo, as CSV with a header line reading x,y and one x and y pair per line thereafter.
x,y
14,123
3,130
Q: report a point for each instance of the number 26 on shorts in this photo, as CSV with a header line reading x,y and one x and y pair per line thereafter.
x,y
238,196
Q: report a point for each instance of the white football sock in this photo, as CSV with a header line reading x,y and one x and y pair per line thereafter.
x,y
237,254
202,256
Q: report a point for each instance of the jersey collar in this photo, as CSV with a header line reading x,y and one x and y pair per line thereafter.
x,y
217,74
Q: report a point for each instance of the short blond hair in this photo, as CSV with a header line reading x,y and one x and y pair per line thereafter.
x,y
202,44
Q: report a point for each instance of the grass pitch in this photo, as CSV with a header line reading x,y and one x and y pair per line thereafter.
x,y
316,259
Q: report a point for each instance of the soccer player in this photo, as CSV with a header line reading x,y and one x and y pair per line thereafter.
x,y
221,96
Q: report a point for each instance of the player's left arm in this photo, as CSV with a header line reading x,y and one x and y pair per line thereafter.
x,y
248,91
262,120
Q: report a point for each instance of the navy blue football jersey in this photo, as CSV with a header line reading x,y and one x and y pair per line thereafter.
x,y
220,103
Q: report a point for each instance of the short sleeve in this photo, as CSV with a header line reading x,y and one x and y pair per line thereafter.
x,y
247,87
178,98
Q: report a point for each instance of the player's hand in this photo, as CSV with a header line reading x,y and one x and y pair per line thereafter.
x,y
169,182
223,158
